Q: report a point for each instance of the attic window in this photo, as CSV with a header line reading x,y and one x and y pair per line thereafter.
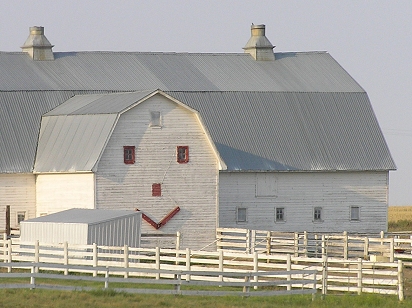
x,y
156,190
129,155
279,214
241,214
354,213
20,217
155,119
182,154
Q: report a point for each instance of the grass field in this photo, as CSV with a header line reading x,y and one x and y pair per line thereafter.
x,y
400,218
47,298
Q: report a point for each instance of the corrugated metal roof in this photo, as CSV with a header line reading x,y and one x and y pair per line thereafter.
x,y
20,115
86,216
133,71
251,130
292,131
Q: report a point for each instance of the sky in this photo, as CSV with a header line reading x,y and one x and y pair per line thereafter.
x,y
370,39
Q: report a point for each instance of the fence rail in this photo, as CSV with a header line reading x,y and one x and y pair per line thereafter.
x,y
346,246
245,282
332,273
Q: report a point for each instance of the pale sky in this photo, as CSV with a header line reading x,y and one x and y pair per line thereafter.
x,y
370,39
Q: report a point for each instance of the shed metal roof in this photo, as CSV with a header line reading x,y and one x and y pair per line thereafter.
x,y
84,216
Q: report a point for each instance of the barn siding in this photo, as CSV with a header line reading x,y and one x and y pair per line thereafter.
x,y
59,192
299,193
18,191
191,186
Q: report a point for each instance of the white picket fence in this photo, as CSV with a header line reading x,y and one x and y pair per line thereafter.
x,y
332,274
390,248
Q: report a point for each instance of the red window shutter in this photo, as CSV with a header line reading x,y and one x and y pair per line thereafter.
x,y
156,190
182,155
129,155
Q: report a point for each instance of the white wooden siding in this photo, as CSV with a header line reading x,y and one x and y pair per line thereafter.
x,y
300,193
191,186
18,191
59,192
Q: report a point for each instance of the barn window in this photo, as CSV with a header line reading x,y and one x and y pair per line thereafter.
x,y
155,119
317,214
241,214
129,155
20,217
182,154
354,213
156,190
279,214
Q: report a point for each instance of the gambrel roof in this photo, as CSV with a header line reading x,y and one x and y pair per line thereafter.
x,y
301,112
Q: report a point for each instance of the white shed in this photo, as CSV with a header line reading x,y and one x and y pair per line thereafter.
x,y
85,227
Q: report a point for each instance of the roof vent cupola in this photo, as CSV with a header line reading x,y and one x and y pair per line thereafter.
x,y
38,46
258,46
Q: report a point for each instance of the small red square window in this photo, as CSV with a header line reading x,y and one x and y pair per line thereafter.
x,y
182,154
129,154
156,190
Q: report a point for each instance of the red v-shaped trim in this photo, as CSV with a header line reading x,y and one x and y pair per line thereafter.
x,y
163,221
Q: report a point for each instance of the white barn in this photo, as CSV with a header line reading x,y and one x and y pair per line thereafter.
x,y
259,140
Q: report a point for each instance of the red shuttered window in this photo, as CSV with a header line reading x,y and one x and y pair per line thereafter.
x,y
156,190
182,154
129,155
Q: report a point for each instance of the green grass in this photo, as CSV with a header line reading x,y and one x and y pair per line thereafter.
x,y
400,225
99,298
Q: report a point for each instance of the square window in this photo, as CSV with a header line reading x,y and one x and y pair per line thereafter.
x,y
354,213
182,154
155,119
129,154
241,214
279,214
20,217
317,214
156,190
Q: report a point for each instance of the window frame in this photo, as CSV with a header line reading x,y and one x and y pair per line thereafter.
x,y
185,159
283,214
238,210
156,190
318,218
155,119
126,160
24,213
358,212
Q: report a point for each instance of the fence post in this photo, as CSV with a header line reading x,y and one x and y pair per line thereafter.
x,y
188,263
66,257
324,276
246,287
106,278
391,249
36,254
400,280
296,244
345,245
220,265
4,247
366,248
126,260
323,245
288,268
95,258
359,276
305,243
32,278
177,246
248,240
255,267
316,245
268,244
9,254
158,262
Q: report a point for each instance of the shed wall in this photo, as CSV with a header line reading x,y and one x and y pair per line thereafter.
x,y
54,233
192,186
299,194
58,192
